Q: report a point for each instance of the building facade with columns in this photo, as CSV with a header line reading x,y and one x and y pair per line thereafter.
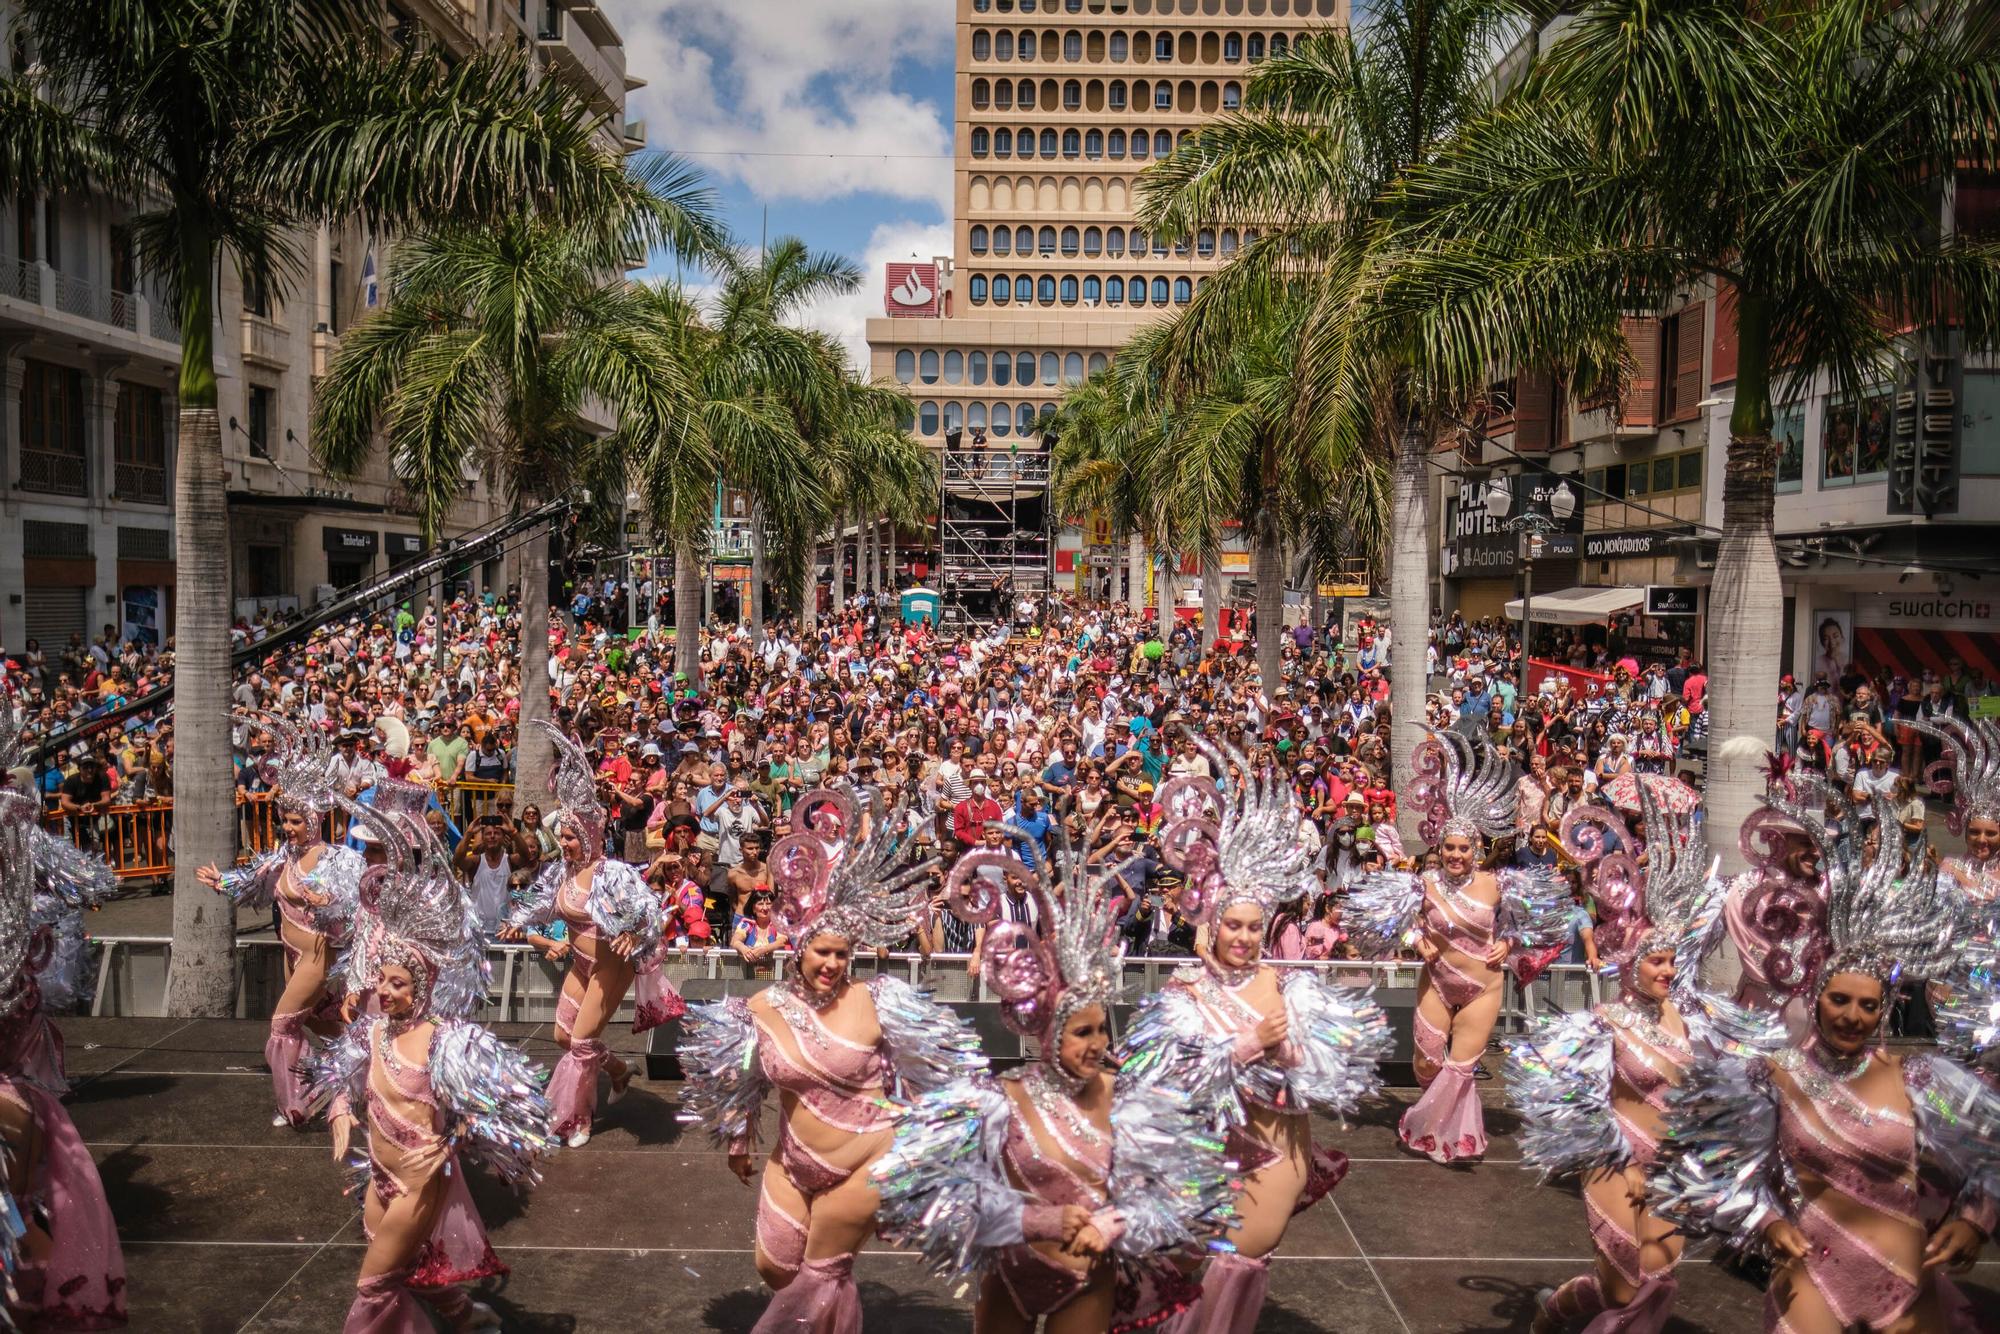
x,y
90,356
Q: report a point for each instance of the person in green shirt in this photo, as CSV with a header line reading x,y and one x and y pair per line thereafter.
x,y
448,750
404,618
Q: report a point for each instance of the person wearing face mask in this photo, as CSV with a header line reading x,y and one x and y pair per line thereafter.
x,y
1868,1172
1466,921
1593,1089
846,1059
970,816
1063,1191
1257,1049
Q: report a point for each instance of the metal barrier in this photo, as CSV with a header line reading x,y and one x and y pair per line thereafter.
x,y
132,970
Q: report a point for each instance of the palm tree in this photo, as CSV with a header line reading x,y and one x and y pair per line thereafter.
x,y
1103,428
496,346
872,466
230,126
1801,155
1323,133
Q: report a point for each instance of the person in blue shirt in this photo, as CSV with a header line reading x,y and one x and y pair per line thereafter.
x,y
1029,827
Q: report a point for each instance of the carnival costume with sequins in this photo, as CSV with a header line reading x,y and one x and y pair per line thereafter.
x,y
1572,1077
1198,1037
1967,1003
1748,1133
976,1177
833,879
618,902
471,1097
300,766
67,1270
1466,792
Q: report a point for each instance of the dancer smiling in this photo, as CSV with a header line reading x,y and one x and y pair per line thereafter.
x,y
1465,922
314,884
1067,1193
1258,1049
840,1055
430,1087
1592,1088
613,944
1816,1152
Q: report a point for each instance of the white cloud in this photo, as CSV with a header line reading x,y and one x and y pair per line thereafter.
x,y
793,97
846,317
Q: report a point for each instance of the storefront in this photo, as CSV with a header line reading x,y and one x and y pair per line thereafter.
x,y
350,554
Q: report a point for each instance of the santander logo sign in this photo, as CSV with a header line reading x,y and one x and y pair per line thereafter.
x,y
912,291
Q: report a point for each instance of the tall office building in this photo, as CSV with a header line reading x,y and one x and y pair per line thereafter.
x,y
89,359
1060,104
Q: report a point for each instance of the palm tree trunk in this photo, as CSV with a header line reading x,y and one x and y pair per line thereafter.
x,y
534,752
201,970
687,610
1164,598
757,574
1270,566
1135,572
889,554
1409,615
1211,602
839,593
1745,599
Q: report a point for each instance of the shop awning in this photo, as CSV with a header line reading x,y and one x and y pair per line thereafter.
x,y
1579,606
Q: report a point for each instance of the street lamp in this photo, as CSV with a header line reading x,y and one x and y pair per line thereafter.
x,y
1530,526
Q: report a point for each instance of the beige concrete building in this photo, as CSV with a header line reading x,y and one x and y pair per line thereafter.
x,y
1059,105
90,353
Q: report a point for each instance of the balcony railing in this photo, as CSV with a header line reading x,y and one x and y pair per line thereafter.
x,y
163,322
29,280
54,474
20,279
265,342
143,482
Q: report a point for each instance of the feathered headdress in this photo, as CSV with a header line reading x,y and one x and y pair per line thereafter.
x,y
832,877
1234,843
1969,770
1462,788
299,764
1777,916
1887,919
574,783
1071,964
1641,911
415,915
19,814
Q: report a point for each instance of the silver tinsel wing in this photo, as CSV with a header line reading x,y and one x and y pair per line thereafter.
x,y
1382,909
537,907
928,1046
253,884
620,902
725,1083
1168,1043
943,1182
1339,1038
1171,1179
1534,907
1958,1125
1559,1080
338,1071
492,1100
337,874
1967,1005
1719,1171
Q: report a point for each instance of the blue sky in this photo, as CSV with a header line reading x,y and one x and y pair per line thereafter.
x,y
833,115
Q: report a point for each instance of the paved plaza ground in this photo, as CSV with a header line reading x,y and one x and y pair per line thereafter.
x,y
230,1224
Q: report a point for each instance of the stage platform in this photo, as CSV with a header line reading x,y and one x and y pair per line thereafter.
x,y
230,1224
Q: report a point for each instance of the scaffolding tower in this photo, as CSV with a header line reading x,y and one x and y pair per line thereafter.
x,y
993,527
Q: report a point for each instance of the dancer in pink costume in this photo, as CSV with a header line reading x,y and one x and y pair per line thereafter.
x,y
70,1271
1257,1048
613,922
1592,1088
431,1088
841,1055
314,884
1867,1174
1063,1192
1465,922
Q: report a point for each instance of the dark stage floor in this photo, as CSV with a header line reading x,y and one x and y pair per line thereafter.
x,y
232,1225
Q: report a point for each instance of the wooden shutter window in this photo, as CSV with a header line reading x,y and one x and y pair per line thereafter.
x,y
1639,406
1531,413
1722,352
1687,362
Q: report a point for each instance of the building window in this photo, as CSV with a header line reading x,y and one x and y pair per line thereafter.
x,y
1788,435
1117,145
975,416
1049,142
1116,95
1024,240
976,290
976,240
1003,291
1069,242
1137,292
1163,46
1256,46
1003,95
1138,241
1098,361
1093,144
1204,243
906,365
1139,144
1160,246
141,444
1183,291
1026,47
954,367
1024,289
1024,419
1114,240
52,446
1159,291
1024,368
1003,368
1003,46
927,419
1046,239
975,367
927,366
982,46
256,291
1232,47
1163,143
981,142
1072,96
1072,144
1045,290
1003,419
1854,440
1068,292
261,399
1279,45
1228,242
1003,241
1093,241
1003,143
1120,47
1072,46
1024,94
1073,367
1114,291
1163,96
954,417
1232,96
1093,290
1051,367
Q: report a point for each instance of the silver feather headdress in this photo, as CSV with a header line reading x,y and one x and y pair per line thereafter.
x,y
841,875
1641,910
574,783
1969,770
414,914
1463,789
1042,977
299,764
1892,918
1234,842
19,817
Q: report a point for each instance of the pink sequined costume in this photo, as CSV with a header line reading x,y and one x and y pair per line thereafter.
x,y
981,1172
835,877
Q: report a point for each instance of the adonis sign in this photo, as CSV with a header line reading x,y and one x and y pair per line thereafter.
x,y
912,292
